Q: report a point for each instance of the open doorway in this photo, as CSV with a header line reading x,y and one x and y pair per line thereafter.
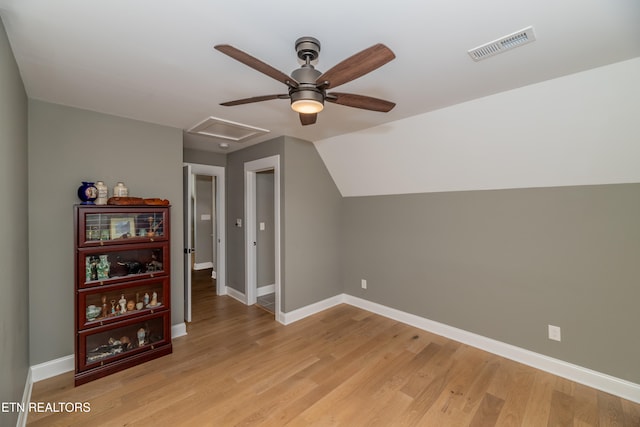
x,y
262,245
204,224
204,232
265,241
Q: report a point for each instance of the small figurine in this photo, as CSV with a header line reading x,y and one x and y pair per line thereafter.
x,y
123,304
153,227
130,267
154,264
94,267
113,306
105,310
146,299
141,336
154,299
126,342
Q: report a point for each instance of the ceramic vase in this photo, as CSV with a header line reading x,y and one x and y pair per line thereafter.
x,y
103,193
87,193
120,190
103,267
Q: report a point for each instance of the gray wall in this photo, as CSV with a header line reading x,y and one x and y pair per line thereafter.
x,y
505,264
235,204
312,229
204,228
265,239
69,145
311,213
204,157
14,284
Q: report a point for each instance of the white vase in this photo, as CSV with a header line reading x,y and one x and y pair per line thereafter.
x,y
120,190
103,193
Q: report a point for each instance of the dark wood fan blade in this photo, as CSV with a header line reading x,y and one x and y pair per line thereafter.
x,y
256,64
357,65
360,101
253,99
308,119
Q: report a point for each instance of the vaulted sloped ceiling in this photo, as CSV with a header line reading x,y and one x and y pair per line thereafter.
x,y
580,129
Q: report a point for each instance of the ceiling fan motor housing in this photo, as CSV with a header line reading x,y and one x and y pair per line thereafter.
x,y
307,89
308,48
306,95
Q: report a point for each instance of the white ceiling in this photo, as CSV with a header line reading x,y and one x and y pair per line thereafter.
x,y
153,60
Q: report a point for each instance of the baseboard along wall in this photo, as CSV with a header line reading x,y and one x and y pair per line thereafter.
x,y
619,387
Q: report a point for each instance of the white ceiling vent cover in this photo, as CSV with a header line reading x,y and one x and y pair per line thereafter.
x,y
225,129
519,38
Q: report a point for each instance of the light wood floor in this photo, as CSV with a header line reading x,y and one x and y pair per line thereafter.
x,y
344,366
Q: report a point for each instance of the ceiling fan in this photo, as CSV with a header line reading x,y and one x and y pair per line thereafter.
x,y
308,86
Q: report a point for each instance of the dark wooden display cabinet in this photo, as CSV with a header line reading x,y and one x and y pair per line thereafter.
x,y
122,288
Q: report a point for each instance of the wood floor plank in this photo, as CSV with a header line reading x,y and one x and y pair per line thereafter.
x,y
488,411
514,386
539,403
586,406
344,366
631,412
610,410
561,412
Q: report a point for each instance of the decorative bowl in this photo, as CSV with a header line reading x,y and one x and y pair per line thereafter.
x,y
93,312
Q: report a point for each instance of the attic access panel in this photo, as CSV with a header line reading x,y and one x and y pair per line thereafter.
x,y
225,129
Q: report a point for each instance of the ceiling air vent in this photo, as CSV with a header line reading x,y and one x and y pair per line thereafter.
x,y
519,38
225,129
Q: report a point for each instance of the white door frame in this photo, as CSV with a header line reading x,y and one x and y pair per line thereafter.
x,y
250,170
220,224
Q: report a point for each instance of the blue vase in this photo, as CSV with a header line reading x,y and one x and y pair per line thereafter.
x,y
87,193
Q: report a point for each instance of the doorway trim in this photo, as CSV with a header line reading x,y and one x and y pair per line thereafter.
x,y
250,170
220,223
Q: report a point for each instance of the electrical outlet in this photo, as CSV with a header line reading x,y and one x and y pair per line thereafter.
x,y
554,333
363,283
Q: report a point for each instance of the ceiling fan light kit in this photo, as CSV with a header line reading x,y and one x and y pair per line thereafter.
x,y
308,86
306,106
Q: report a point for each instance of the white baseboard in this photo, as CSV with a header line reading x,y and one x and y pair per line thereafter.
x,y
49,369
202,265
265,290
579,374
301,313
221,289
65,364
236,294
178,330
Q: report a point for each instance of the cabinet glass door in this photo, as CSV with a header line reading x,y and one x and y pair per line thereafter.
x,y
104,226
98,346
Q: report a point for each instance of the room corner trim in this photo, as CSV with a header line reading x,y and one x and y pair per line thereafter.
x,y
26,398
237,295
